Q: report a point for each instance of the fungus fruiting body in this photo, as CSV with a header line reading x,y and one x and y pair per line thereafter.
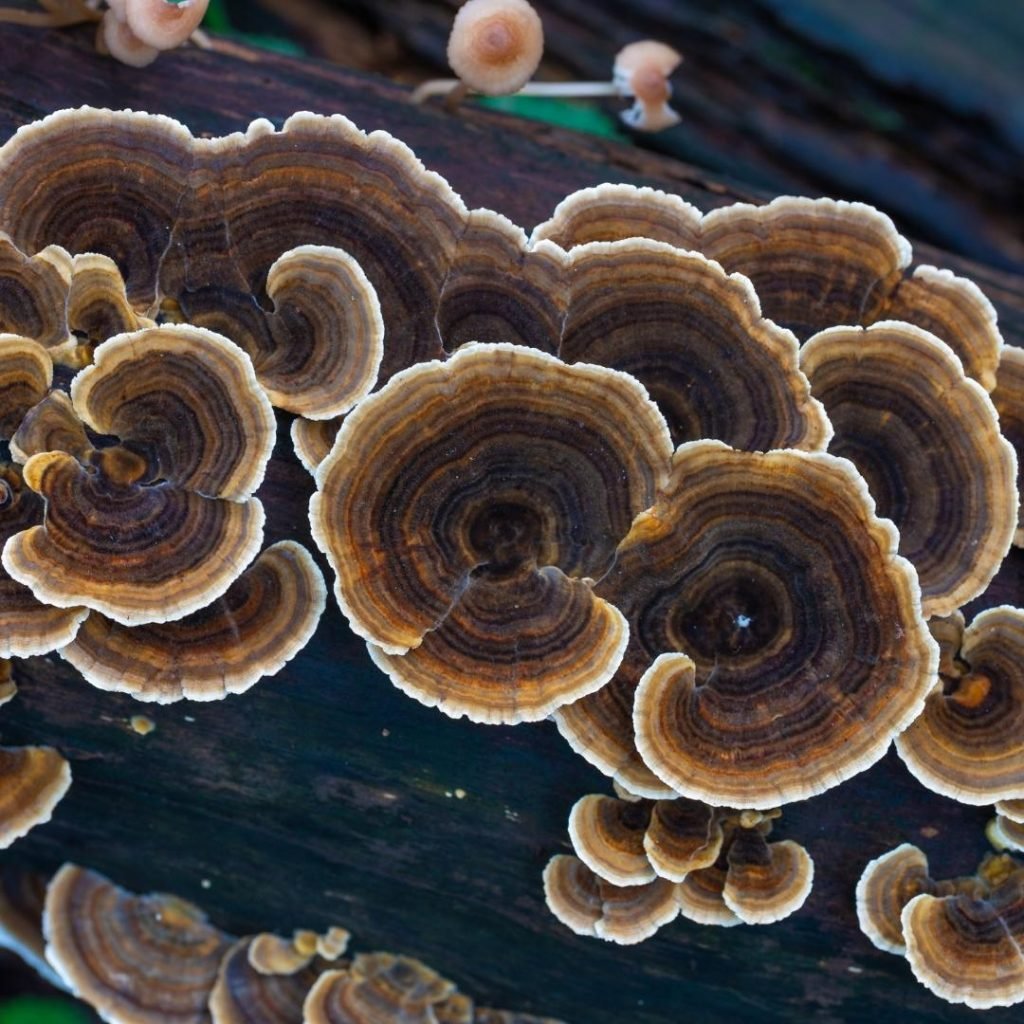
x,y
495,45
641,72
33,780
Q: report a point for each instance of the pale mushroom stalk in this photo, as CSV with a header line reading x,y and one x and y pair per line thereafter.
x,y
559,90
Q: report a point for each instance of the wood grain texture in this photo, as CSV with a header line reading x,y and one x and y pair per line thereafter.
x,y
324,796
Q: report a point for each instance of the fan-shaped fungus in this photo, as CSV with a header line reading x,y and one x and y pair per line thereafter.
x,y
589,905
683,836
1012,809
22,894
148,534
887,885
450,530
33,295
262,621
272,955
1008,398
967,743
33,780
26,372
313,440
8,687
608,836
801,624
135,959
926,438
51,426
765,882
701,896
1005,833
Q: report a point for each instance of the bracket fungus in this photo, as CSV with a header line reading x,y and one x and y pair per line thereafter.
x,y
160,525
1008,398
33,780
779,630
450,509
261,622
1012,809
927,440
22,894
683,836
273,955
52,425
33,295
588,905
765,881
968,743
8,687
26,372
608,836
1005,834
135,959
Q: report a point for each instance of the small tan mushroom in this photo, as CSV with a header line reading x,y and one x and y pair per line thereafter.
x,y
642,71
262,621
683,836
966,744
33,295
377,987
1008,398
968,949
135,959
22,894
475,596
701,897
242,995
163,24
588,905
926,438
33,780
115,38
608,836
26,372
495,45
887,885
271,954
766,882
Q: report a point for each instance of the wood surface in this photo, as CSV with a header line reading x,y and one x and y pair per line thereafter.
x,y
325,796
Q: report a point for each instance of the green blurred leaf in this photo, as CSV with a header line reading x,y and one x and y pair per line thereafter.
x,y
217,20
31,1010
580,117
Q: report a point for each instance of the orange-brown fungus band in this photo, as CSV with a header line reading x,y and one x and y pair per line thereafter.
x,y
33,780
1008,398
26,372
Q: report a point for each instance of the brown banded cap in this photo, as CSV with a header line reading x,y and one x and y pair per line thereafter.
x,y
135,959
1008,398
888,884
695,338
483,457
495,46
377,987
271,954
33,780
805,650
51,426
22,894
1005,833
968,948
456,1009
588,905
613,212
26,372
683,836
33,295
313,440
27,626
259,624
8,687
1012,809
967,743
701,897
766,881
608,836
242,995
927,440
814,262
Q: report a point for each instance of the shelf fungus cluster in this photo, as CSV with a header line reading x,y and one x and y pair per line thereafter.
x,y
157,959
694,485
962,937
640,864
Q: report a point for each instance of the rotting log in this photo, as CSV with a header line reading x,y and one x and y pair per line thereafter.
x,y
325,796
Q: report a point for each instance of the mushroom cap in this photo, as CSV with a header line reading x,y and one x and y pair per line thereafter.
x,y
156,553
701,897
313,440
495,45
163,24
608,836
33,780
766,882
1008,398
803,639
1012,809
648,57
270,954
97,303
26,372
948,632
187,400
444,503
33,294
135,959
27,626
613,212
886,886
926,438
967,949
115,38
683,836
695,338
241,995
813,262
967,743
588,905
52,425
260,623
956,310
377,987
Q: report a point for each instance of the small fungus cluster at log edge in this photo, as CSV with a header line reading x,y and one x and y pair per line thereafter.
x,y
582,474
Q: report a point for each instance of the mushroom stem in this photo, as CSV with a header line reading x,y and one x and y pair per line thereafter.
x,y
564,90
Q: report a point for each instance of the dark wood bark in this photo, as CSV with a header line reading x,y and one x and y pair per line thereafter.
x,y
325,796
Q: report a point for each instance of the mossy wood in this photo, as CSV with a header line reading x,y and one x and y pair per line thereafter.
x,y
324,796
